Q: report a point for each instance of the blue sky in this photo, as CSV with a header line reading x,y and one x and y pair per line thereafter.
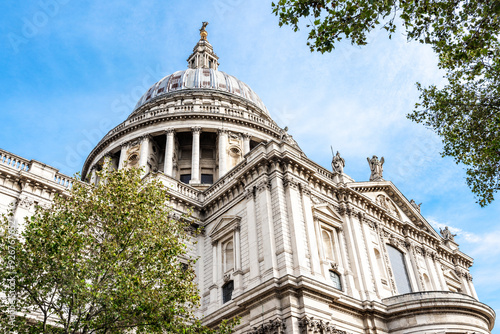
x,y
72,70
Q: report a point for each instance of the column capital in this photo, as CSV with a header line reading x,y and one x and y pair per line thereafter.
x,y
145,137
196,129
169,131
222,131
245,136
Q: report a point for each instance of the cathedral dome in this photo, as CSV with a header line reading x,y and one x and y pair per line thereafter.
x,y
203,79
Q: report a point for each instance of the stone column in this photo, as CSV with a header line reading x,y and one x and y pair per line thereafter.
x,y
93,176
246,143
108,161
195,158
123,153
222,152
169,153
144,153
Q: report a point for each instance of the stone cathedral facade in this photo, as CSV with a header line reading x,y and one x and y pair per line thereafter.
x,y
288,246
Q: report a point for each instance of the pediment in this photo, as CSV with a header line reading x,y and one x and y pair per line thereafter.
x,y
450,274
225,225
388,197
327,213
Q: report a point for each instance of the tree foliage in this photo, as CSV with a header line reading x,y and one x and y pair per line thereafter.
x,y
464,34
102,259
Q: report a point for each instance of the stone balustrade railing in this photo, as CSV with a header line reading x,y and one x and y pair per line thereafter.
x,y
179,186
63,180
11,160
36,168
181,109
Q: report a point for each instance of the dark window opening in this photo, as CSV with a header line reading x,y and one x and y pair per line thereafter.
x,y
337,284
227,291
207,179
185,178
207,153
253,144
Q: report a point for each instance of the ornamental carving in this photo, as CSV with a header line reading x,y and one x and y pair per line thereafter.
x,y
290,182
310,325
132,155
25,202
316,200
263,185
387,204
276,326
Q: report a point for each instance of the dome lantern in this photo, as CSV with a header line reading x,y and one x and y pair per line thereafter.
x,y
203,55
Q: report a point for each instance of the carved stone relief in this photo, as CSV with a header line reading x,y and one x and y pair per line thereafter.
x,y
276,326
25,202
310,325
133,153
387,204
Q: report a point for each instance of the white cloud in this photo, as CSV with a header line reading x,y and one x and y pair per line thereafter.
x,y
482,244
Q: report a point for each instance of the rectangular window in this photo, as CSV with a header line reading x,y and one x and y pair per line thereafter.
x,y
227,291
207,178
185,178
335,280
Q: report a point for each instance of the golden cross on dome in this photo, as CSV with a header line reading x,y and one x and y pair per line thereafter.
x,y
203,32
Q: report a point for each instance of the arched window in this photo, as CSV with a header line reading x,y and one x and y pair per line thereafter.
x,y
399,270
335,277
228,256
427,283
327,244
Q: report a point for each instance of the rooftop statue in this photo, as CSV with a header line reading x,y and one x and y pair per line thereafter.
x,y
376,167
446,234
338,163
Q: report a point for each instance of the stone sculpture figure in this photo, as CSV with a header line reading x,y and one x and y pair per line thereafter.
x,y
376,167
415,205
446,234
203,32
338,163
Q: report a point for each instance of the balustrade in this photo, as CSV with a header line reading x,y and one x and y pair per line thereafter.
x,y
13,161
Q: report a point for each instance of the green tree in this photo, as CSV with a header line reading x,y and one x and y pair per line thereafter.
x,y
102,259
465,36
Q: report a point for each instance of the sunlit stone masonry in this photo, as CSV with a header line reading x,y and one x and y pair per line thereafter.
x,y
288,246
